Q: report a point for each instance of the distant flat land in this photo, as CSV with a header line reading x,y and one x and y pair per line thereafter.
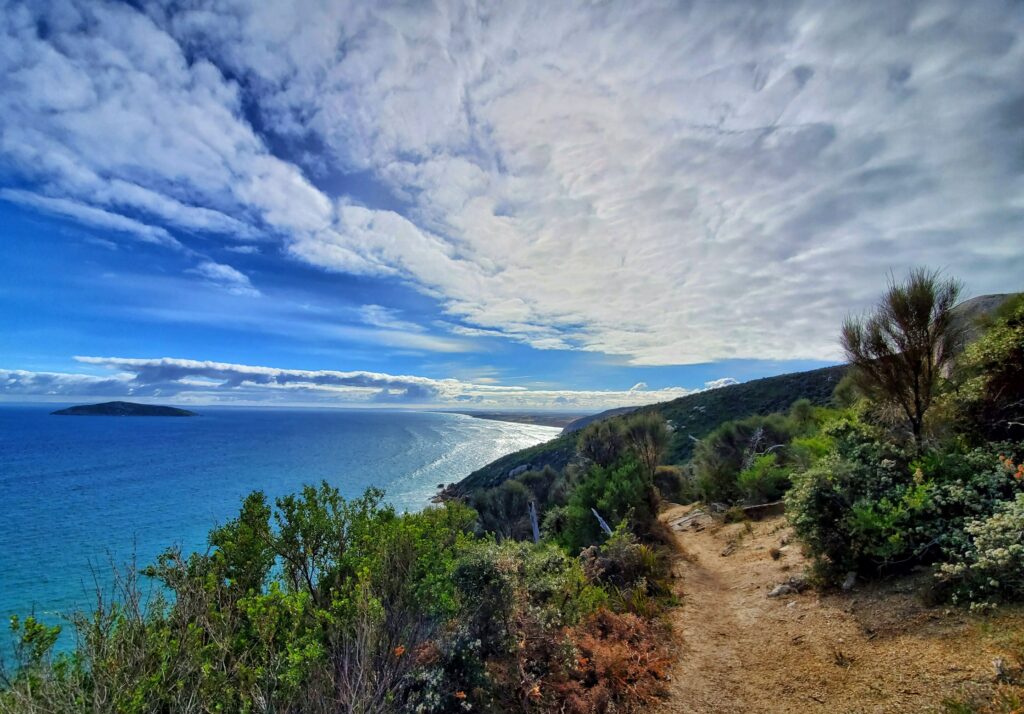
x,y
539,418
123,409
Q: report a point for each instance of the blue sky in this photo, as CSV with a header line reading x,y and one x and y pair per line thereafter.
x,y
508,205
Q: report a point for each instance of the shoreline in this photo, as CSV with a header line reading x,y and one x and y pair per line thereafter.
x,y
555,419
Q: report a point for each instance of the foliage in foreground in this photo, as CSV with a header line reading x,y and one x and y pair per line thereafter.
x,y
991,565
872,501
322,604
870,507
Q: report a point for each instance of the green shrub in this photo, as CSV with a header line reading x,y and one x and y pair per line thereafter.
x,y
869,507
764,480
731,448
602,443
990,393
675,484
621,492
634,572
322,604
504,510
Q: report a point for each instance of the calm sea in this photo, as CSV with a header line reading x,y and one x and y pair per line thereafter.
x,y
77,493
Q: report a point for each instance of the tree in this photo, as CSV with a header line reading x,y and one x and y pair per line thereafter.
x,y
602,442
900,350
647,437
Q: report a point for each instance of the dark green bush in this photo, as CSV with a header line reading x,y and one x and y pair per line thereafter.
x,y
675,483
720,457
621,492
764,480
504,510
870,507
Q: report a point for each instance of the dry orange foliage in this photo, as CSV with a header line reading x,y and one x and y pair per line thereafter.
x,y
623,660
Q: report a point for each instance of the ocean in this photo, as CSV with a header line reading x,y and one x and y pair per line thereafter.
x,y
78,494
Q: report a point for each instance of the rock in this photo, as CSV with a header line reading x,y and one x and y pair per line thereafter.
x,y
518,470
793,586
797,582
849,581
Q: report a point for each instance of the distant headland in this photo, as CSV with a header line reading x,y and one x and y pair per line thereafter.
x,y
124,409
560,419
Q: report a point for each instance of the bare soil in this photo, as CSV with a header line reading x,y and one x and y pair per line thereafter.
x,y
877,648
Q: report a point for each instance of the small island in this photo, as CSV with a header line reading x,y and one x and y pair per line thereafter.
x,y
124,409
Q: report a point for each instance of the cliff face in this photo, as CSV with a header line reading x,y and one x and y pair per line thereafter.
x,y
123,409
972,314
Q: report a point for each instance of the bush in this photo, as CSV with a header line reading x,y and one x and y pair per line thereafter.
x,y
675,484
620,659
991,567
634,572
870,507
731,448
620,493
990,396
764,480
504,510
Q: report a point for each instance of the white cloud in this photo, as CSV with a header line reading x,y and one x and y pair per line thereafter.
x,y
90,216
387,318
226,277
207,381
673,184
669,183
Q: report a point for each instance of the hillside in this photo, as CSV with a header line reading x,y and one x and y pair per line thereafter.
x,y
124,409
578,424
973,313
691,417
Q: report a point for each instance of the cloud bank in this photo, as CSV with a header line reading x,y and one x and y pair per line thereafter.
x,y
195,381
669,183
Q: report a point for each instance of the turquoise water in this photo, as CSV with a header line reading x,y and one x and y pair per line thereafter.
x,y
80,493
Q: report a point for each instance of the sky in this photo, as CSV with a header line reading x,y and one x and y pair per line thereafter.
x,y
569,205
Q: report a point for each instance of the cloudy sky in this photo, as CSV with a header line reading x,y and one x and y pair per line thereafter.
x,y
520,204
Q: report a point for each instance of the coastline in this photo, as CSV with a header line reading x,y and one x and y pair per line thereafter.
x,y
554,419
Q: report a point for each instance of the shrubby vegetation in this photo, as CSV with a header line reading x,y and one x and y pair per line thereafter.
x,y
692,418
898,480
322,604
614,472
991,565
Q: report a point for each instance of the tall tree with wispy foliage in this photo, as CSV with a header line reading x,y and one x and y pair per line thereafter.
x,y
900,350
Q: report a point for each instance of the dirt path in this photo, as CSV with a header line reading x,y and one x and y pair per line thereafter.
x,y
877,649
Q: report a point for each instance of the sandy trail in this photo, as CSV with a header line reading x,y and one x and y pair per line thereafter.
x,y
877,649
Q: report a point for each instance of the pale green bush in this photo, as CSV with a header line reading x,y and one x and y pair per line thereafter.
x,y
991,568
